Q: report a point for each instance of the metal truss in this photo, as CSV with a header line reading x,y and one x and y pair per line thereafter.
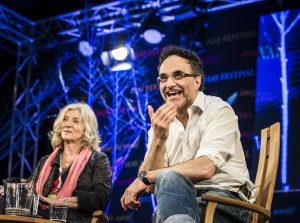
x,y
19,129
119,16
14,27
20,133
105,19
23,139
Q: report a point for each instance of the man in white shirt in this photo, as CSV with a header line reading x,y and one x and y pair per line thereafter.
x,y
194,147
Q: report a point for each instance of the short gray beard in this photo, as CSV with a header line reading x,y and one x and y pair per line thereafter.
x,y
186,104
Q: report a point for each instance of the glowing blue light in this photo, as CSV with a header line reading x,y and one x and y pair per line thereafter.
x,y
153,29
153,36
105,58
286,188
234,4
231,99
257,142
120,53
153,202
118,59
121,66
283,28
278,61
85,48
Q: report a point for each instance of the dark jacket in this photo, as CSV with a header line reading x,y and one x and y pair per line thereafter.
x,y
93,188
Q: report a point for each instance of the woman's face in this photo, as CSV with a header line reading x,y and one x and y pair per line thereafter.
x,y
72,127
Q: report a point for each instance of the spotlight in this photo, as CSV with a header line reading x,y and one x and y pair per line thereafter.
x,y
118,59
85,48
120,53
153,29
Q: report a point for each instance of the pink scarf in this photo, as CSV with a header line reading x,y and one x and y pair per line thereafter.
x,y
71,181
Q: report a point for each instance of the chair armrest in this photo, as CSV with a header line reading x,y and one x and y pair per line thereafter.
x,y
99,217
238,204
97,213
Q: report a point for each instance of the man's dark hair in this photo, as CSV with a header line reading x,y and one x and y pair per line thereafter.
x,y
191,57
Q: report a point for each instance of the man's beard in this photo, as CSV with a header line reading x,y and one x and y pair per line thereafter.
x,y
187,102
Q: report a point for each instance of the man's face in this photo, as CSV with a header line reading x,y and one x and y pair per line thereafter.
x,y
182,92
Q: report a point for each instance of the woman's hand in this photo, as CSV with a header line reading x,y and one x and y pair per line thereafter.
x,y
54,202
71,202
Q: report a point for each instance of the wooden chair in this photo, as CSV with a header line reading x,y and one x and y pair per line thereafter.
x,y
99,217
264,182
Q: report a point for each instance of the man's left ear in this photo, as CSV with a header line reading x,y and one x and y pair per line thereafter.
x,y
198,81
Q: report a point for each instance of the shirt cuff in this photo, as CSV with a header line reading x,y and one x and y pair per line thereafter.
x,y
215,157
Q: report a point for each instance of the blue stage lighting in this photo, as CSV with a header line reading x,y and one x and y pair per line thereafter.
x,y
153,36
153,29
120,53
105,57
121,66
85,48
118,59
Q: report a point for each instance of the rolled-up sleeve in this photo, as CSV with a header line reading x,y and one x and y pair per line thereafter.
x,y
218,138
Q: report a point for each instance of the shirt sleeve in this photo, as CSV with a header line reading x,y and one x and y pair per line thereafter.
x,y
218,139
35,175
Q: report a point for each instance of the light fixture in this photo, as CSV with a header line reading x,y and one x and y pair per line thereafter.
x,y
118,59
120,53
85,48
153,29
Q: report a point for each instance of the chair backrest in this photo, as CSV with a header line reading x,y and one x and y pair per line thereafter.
x,y
267,167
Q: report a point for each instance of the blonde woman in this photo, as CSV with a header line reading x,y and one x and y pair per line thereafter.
x,y
75,174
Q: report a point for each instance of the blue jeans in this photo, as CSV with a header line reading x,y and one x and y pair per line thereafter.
x,y
177,201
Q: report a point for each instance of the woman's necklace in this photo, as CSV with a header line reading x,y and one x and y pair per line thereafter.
x,y
66,162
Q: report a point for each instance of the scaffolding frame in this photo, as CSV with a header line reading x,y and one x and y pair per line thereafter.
x,y
30,37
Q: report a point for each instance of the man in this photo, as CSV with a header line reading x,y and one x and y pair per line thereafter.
x,y
194,147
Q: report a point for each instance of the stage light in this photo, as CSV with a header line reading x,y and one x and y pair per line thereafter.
x,y
118,59
120,53
153,29
85,48
121,66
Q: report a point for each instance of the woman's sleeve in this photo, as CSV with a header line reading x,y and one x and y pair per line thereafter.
x,y
35,175
98,197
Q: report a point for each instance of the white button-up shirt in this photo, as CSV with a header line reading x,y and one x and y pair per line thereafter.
x,y
212,130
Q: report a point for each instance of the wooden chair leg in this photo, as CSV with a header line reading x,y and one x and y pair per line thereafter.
x,y
210,211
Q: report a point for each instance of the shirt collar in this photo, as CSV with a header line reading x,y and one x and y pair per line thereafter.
x,y
198,103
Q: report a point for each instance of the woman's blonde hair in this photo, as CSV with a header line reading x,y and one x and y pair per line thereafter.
x,y
91,137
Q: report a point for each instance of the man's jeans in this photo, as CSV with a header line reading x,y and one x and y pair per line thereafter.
x,y
178,202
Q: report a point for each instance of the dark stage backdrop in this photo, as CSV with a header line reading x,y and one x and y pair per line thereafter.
x,y
229,50
278,87
277,99
227,42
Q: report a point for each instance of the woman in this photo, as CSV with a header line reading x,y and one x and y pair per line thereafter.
x,y
75,174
